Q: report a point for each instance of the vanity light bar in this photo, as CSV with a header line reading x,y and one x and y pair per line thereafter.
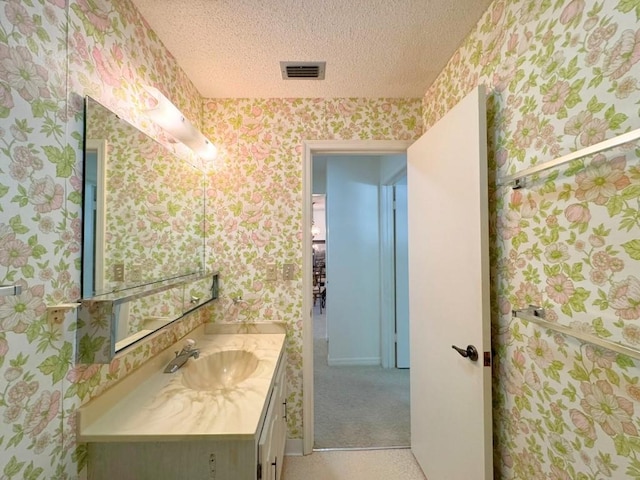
x,y
167,116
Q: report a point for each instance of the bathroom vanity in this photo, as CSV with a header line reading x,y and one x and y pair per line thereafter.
x,y
221,416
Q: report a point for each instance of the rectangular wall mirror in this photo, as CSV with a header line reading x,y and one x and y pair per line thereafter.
x,y
143,257
143,208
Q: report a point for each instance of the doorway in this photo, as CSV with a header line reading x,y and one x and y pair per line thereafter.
x,y
366,148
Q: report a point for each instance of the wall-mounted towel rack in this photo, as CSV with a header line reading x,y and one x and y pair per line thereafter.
x,y
516,180
536,315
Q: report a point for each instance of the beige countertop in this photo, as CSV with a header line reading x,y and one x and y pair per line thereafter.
x,y
152,406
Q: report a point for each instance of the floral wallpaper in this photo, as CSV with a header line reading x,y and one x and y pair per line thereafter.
x,y
154,205
255,200
52,53
561,76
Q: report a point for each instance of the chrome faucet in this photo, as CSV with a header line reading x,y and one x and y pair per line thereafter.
x,y
182,356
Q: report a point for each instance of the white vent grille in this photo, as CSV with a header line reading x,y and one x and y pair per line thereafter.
x,y
302,70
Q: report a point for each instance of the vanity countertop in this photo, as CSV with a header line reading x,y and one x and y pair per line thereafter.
x,y
152,406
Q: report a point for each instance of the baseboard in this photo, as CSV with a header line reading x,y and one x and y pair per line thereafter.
x,y
362,361
294,447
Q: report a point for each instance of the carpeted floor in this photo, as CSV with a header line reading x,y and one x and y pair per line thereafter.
x,y
358,407
354,465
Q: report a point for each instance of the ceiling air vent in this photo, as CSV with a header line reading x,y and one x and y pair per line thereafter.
x,y
302,70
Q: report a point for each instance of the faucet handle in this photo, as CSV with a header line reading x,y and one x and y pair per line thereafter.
x,y
189,343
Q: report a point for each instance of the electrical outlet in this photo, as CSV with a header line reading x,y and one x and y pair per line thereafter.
x,y
55,316
272,272
118,272
57,313
287,271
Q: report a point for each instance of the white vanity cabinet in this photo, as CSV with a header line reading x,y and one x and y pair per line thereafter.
x,y
159,429
274,430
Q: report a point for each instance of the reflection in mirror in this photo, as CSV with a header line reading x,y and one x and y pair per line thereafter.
x,y
141,316
111,322
143,208
93,208
199,292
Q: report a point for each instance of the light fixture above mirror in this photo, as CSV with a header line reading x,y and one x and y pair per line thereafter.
x,y
167,116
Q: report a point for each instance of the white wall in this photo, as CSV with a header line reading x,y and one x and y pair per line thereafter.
x,y
353,249
392,167
319,175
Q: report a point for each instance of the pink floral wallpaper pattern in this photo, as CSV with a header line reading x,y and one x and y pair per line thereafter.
x,y
561,76
255,200
52,53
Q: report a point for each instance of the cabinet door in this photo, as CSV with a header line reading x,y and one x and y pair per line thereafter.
x,y
280,407
274,431
266,453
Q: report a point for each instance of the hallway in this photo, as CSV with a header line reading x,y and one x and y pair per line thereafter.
x,y
357,406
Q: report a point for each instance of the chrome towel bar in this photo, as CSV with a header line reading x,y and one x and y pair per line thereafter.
x,y
536,315
517,180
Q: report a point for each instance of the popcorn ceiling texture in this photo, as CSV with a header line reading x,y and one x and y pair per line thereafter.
x,y
373,48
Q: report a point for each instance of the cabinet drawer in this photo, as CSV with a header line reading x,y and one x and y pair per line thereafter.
x,y
274,430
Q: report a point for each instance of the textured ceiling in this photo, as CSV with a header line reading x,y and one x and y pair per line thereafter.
x,y
373,48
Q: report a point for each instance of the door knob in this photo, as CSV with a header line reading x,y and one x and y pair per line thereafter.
x,y
470,352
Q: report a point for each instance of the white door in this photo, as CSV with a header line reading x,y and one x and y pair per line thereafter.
x,y
449,295
401,274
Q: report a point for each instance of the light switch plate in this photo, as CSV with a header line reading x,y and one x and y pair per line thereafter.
x,y
287,271
118,272
272,272
135,273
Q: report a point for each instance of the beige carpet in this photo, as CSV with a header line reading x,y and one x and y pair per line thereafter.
x,y
354,465
358,407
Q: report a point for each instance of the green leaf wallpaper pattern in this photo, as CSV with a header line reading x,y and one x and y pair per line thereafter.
x,y
256,202
561,74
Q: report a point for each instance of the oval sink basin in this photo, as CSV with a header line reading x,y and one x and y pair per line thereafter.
x,y
220,370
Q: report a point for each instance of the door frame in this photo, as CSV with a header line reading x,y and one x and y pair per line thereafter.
x,y
388,268
100,147
387,277
310,148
